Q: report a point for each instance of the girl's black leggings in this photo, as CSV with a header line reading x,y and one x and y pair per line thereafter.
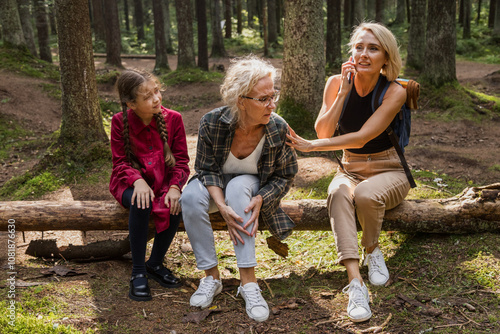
x,y
138,223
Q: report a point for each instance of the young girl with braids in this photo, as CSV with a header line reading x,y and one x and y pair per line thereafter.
x,y
150,167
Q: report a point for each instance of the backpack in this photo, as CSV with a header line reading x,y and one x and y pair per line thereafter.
x,y
400,128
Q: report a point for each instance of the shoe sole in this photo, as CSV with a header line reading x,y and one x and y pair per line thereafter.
x,y
139,299
204,306
362,319
258,319
159,281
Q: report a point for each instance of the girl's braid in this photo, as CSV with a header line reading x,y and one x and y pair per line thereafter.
x,y
162,129
126,140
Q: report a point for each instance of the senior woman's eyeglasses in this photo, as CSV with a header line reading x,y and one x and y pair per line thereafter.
x,y
266,101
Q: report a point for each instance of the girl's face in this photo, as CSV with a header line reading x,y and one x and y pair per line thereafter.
x,y
147,102
254,113
368,54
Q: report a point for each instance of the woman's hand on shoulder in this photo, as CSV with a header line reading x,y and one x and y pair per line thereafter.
x,y
143,194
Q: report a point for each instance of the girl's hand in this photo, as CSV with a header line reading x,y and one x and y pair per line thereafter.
x,y
254,205
234,229
298,142
172,200
143,193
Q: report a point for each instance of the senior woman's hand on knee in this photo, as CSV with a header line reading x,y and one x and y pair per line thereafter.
x,y
233,222
254,206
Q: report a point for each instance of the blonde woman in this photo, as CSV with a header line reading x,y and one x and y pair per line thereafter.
x,y
372,178
243,170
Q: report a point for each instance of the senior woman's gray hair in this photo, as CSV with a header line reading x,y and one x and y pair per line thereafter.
x,y
241,77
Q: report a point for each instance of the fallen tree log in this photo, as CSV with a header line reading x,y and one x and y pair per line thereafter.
x,y
476,209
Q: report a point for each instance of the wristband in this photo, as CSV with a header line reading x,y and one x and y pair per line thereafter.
x,y
175,186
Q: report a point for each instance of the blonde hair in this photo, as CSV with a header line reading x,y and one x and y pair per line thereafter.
x,y
388,43
241,77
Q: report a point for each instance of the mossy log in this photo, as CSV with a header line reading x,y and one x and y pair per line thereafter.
x,y
476,209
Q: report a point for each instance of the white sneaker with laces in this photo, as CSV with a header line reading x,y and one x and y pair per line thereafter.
x,y
358,308
256,306
377,270
207,290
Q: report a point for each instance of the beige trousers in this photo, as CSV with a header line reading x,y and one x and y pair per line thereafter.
x,y
374,183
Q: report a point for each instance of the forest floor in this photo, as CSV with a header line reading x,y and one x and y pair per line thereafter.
x,y
96,296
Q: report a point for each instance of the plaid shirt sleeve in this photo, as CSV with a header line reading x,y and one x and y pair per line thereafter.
x,y
206,166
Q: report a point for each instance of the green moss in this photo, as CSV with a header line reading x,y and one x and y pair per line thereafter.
x,y
297,116
23,62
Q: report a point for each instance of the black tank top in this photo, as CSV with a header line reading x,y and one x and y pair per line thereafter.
x,y
356,113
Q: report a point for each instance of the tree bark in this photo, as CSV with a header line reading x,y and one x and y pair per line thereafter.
x,y
239,17
272,29
161,59
416,39
42,28
81,114
304,62
218,49
25,17
113,35
347,14
400,12
380,11
359,11
126,14
333,35
98,18
185,56
139,19
167,25
440,64
476,209
201,16
467,18
496,23
11,25
227,17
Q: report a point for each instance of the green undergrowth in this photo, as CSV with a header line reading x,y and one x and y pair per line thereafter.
x,y
191,75
455,102
22,62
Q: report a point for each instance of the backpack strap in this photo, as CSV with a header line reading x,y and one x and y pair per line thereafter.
x,y
378,97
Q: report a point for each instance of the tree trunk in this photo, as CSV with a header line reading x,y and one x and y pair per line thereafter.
x,y
347,14
496,24
227,17
251,12
139,19
239,17
303,75
380,11
477,209
185,56
167,25
467,19
461,12
400,12
42,28
218,49
201,16
370,10
98,16
441,42
113,35
161,59
272,29
359,11
416,36
81,114
265,30
126,15
25,17
479,5
491,15
13,35
333,36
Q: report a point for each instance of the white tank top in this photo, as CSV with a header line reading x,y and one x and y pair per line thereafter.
x,y
247,165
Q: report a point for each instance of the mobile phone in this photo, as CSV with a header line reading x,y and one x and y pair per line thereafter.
x,y
349,77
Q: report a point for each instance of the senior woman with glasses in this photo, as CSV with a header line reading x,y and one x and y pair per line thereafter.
x,y
243,170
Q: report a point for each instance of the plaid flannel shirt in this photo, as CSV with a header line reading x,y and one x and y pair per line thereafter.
x,y
277,165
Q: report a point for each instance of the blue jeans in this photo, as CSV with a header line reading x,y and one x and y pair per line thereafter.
x,y
196,204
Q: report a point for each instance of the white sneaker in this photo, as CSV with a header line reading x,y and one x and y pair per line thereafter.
x,y
207,290
256,306
377,270
358,308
